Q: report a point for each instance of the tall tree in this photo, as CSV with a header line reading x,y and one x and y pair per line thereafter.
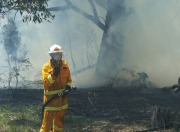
x,y
110,54
12,43
16,53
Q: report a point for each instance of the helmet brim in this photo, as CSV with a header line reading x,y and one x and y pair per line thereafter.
x,y
51,52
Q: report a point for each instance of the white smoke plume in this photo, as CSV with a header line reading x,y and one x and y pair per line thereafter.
x,y
151,35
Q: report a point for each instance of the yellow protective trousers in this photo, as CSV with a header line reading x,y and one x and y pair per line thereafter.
x,y
53,120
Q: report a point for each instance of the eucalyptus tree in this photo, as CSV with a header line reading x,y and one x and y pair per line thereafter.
x,y
30,10
16,52
12,41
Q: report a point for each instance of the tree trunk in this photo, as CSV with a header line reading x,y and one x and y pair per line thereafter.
x,y
110,55
10,72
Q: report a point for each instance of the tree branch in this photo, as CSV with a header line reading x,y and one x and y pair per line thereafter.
x,y
59,8
94,9
86,15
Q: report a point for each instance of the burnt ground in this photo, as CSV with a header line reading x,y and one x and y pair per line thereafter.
x,y
121,110
122,106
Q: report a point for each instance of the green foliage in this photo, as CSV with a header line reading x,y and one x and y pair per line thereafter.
x,y
30,10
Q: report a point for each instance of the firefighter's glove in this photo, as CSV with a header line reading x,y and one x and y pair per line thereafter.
x,y
67,90
68,87
56,71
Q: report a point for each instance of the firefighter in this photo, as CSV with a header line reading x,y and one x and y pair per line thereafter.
x,y
55,77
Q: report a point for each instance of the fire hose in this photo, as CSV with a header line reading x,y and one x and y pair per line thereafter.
x,y
64,92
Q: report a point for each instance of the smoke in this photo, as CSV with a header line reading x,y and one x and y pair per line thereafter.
x,y
67,29
152,39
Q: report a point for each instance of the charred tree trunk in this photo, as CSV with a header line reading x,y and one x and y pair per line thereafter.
x,y
110,55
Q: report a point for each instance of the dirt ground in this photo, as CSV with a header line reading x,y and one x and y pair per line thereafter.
x,y
111,110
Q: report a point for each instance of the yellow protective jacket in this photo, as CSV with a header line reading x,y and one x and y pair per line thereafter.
x,y
53,85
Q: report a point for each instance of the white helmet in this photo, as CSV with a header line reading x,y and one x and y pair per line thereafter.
x,y
55,49
55,52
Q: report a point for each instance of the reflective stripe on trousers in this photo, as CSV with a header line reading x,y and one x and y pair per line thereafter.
x,y
42,131
56,108
57,128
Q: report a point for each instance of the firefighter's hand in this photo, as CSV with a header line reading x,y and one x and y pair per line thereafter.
x,y
56,71
68,88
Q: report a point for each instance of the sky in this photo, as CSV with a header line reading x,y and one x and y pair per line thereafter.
x,y
151,32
